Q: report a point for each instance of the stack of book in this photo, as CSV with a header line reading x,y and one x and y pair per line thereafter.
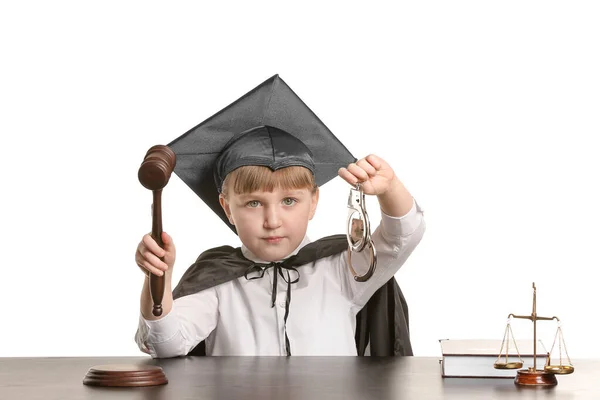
x,y
475,358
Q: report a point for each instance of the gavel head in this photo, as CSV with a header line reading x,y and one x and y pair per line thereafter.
x,y
156,168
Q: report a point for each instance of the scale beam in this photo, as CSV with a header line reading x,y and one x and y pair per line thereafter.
x,y
532,317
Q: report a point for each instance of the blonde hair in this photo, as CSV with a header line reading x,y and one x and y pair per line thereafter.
x,y
254,178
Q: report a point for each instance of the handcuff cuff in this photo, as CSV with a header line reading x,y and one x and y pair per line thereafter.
x,y
358,232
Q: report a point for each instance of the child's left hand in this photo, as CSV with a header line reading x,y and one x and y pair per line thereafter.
x,y
372,172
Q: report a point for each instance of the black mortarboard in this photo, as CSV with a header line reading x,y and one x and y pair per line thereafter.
x,y
265,116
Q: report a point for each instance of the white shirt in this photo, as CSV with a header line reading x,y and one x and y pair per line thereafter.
x,y
236,317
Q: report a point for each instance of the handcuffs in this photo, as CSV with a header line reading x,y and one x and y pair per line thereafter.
x,y
359,232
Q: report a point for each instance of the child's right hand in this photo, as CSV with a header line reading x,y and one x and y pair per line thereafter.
x,y
149,253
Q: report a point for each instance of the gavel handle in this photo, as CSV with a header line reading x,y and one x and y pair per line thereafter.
x,y
157,283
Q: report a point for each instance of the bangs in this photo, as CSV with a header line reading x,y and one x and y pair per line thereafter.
x,y
250,179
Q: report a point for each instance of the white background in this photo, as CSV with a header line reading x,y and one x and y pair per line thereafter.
x,y
488,111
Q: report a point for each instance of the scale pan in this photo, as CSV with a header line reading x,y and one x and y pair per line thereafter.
x,y
559,369
510,365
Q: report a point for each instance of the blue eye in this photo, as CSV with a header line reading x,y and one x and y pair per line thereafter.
x,y
253,203
288,201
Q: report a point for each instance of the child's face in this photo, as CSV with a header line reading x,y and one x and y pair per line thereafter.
x,y
271,224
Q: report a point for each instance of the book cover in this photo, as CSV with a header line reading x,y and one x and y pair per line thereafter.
x,y
475,358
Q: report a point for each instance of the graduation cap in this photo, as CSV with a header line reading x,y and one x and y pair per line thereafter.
x,y
270,126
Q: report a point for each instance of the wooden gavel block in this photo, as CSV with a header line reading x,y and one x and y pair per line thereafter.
x,y
125,375
154,174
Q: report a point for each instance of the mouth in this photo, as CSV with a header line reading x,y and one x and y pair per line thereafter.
x,y
273,239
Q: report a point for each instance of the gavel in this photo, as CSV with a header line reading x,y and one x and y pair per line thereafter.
x,y
154,174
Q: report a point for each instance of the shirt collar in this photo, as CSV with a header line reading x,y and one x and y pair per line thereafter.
x,y
250,256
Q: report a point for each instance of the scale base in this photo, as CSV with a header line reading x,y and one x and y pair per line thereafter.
x,y
537,377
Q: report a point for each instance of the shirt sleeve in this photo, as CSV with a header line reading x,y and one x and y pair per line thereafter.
x,y
191,319
394,240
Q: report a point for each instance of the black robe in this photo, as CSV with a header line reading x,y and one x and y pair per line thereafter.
x,y
382,323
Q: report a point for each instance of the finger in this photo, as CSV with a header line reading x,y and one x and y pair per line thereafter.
x,y
347,176
375,161
151,245
153,260
146,257
358,172
367,167
150,270
147,267
168,242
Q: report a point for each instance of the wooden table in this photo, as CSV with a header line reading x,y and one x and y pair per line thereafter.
x,y
266,378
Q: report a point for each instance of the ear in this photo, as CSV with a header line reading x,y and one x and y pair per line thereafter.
x,y
225,205
313,203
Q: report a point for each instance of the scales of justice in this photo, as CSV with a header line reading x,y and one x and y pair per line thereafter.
x,y
533,376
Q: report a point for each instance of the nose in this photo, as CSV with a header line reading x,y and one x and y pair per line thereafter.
x,y
272,219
